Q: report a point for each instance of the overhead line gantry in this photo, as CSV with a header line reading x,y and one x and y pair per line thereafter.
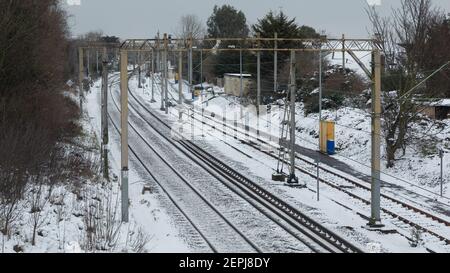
x,y
259,44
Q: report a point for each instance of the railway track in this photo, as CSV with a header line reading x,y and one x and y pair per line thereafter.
x,y
412,215
199,205
401,211
268,204
173,199
204,216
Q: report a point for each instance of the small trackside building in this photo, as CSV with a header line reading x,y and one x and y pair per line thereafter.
x,y
439,109
232,84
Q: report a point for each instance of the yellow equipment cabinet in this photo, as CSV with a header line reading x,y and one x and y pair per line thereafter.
x,y
327,137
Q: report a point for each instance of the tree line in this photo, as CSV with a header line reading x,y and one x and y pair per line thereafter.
x,y
415,38
228,22
36,118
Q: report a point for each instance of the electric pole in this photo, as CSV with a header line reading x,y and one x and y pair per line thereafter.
x,y
441,155
191,89
343,52
320,88
180,84
158,63
139,69
96,60
104,96
180,78
88,70
275,64
161,71
318,180
166,74
153,77
201,76
124,132
258,95
241,91
375,220
292,177
81,77
320,119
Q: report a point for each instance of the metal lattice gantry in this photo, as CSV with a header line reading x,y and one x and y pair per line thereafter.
x,y
253,44
257,44
138,44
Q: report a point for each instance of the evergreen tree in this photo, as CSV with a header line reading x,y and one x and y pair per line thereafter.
x,y
227,22
285,28
435,55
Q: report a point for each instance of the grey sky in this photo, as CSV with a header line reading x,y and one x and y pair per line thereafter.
x,y
143,18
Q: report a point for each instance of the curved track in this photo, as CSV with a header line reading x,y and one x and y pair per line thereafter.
x,y
403,211
268,204
198,206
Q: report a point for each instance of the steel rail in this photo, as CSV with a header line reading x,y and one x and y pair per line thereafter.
x,y
330,237
213,248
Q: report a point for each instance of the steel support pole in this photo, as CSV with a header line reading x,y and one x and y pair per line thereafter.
x,y
343,52
162,87
161,72
81,77
102,105
139,77
96,59
180,84
180,78
318,180
241,91
292,177
153,77
104,96
191,88
158,61
375,220
203,93
166,74
124,132
322,131
441,155
201,77
139,70
320,87
88,68
275,65
320,120
258,84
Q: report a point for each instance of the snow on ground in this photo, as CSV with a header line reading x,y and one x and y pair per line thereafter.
x,y
59,214
353,140
72,207
146,211
353,135
417,166
353,143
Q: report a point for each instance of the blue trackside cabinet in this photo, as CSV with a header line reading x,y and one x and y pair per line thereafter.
x,y
331,147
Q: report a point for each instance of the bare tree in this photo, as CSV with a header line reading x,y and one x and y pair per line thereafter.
x,y
404,36
188,24
39,197
137,240
35,117
101,219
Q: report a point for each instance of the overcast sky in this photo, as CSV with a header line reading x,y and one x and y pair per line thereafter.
x,y
143,18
